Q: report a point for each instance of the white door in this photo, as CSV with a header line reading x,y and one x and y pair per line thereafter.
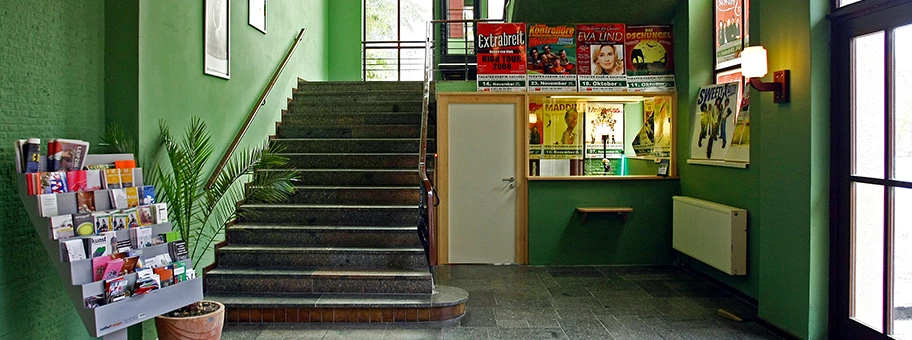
x,y
482,179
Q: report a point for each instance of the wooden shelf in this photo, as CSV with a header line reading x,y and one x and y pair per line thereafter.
x,y
623,211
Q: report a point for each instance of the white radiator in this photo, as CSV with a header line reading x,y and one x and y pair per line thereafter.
x,y
713,233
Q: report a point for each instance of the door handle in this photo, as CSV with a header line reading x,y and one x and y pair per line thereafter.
x,y
511,179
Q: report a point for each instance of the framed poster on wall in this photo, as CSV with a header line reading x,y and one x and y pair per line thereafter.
x,y
728,30
216,39
256,14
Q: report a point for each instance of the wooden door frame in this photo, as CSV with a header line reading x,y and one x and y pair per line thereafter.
x,y
442,171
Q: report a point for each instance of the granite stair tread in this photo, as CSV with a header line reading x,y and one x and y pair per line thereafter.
x,y
442,296
326,206
292,227
348,273
290,249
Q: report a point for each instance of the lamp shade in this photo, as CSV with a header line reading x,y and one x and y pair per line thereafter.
x,y
753,62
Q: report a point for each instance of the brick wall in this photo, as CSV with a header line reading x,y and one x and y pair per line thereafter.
x,y
51,85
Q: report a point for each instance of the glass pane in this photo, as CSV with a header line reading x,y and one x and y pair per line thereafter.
x,y
867,255
415,15
868,103
902,136
847,2
380,20
902,263
495,9
381,64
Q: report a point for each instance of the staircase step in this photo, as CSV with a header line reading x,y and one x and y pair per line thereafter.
x,y
330,257
315,96
389,105
335,86
352,215
353,144
357,195
373,177
351,118
357,131
329,236
446,303
319,281
353,160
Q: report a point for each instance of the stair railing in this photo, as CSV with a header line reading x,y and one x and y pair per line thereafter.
x,y
255,110
428,196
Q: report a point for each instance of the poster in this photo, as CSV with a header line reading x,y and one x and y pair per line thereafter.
x,y
562,129
604,130
649,52
662,127
536,128
740,141
217,36
715,114
603,167
729,30
552,58
600,55
644,141
501,57
732,76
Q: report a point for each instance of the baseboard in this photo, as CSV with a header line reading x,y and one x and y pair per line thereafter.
x,y
776,330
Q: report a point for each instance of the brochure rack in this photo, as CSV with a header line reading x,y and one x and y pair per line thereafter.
x,y
111,320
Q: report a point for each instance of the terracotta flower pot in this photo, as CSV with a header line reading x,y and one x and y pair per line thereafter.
x,y
206,326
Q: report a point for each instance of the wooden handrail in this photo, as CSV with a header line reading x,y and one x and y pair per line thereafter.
x,y
254,111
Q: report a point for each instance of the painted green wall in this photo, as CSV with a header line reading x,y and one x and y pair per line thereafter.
x,y
343,40
51,86
641,12
785,189
557,235
121,65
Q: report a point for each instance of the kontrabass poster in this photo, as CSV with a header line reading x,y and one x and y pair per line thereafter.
x,y
650,58
729,30
501,57
716,110
600,56
604,130
552,58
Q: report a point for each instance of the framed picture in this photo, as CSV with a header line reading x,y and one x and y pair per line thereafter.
x,y
216,39
728,28
256,14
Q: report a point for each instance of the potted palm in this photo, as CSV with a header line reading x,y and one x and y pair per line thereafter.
x,y
201,215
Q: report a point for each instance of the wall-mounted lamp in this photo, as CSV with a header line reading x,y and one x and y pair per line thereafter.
x,y
753,67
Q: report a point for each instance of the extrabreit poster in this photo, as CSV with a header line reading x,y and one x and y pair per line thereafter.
x,y
600,56
501,57
714,121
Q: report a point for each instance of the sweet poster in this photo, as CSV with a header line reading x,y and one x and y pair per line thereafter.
x,y
552,58
600,55
501,57
714,121
604,130
729,30
649,52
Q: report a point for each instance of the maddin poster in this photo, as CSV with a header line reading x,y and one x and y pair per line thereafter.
x,y
600,55
501,57
714,121
552,55
729,31
563,126
650,58
604,130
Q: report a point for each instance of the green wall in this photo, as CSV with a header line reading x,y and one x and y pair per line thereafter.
x,y
51,86
558,237
121,67
343,40
786,187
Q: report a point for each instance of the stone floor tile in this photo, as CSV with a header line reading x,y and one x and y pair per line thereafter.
x,y
461,333
524,313
413,334
575,302
241,331
481,300
587,333
478,317
509,302
508,323
569,292
526,333
355,334
657,289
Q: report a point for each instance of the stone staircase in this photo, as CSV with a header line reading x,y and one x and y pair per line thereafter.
x,y
345,246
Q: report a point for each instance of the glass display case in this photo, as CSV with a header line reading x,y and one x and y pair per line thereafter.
x,y
601,136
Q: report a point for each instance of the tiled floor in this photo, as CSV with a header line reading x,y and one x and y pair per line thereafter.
x,y
592,302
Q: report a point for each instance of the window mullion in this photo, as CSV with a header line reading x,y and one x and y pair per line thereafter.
x,y
888,190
